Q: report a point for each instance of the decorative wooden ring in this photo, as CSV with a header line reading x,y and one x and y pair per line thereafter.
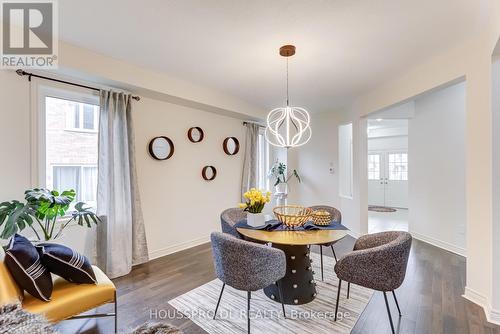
x,y
190,134
236,144
170,144
204,173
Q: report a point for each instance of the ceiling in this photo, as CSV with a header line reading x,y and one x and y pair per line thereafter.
x,y
344,47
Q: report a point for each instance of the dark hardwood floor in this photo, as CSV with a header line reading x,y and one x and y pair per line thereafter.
x,y
430,297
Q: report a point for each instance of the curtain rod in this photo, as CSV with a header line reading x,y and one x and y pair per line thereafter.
x,y
250,122
22,73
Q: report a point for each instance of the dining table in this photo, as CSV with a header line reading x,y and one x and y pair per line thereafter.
x,y
298,284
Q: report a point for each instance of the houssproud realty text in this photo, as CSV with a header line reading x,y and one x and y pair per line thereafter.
x,y
29,34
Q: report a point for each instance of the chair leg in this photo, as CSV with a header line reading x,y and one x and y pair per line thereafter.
x,y
116,314
281,298
249,296
218,301
338,297
396,300
334,255
348,289
321,255
388,312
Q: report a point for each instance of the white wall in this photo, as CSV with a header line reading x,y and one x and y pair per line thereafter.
x,y
496,180
180,208
313,162
471,59
14,136
388,143
436,151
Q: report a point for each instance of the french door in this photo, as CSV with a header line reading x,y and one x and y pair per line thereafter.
x,y
388,178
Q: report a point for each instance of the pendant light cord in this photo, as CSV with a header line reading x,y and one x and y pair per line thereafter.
x,y
287,101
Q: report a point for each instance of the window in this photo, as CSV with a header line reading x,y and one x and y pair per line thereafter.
x,y
81,178
398,166
68,159
263,162
373,166
80,116
345,160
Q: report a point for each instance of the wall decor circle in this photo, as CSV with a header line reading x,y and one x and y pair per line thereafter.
x,y
231,145
195,134
209,173
161,148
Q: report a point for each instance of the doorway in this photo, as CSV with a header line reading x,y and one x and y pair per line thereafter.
x,y
387,174
388,178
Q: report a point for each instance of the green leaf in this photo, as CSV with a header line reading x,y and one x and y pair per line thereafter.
x,y
87,220
15,216
43,204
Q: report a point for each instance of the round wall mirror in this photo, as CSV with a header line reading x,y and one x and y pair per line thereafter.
x,y
209,173
195,134
161,148
231,145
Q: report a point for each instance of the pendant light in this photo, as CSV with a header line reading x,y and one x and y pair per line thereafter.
x,y
288,126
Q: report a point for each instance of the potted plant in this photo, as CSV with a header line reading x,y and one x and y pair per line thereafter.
x,y
41,212
278,172
256,200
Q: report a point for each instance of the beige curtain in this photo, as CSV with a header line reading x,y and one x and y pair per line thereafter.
x,y
250,159
121,238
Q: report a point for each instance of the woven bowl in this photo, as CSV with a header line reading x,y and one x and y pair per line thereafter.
x,y
292,215
321,217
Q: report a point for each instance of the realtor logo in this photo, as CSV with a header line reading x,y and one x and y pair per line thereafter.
x,y
29,34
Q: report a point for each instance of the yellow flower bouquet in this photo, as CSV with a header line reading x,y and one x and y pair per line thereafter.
x,y
256,200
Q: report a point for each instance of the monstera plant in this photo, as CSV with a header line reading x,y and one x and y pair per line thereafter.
x,y
42,212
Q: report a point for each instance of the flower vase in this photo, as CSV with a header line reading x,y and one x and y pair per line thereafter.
x,y
256,219
281,188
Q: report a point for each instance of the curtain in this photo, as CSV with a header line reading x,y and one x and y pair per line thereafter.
x,y
121,239
89,184
250,159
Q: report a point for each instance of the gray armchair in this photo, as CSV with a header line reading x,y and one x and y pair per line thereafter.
x,y
378,262
336,216
246,266
229,218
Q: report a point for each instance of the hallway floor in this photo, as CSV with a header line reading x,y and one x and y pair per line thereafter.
x,y
388,221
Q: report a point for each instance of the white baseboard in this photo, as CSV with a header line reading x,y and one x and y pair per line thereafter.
x,y
354,234
439,243
492,315
177,247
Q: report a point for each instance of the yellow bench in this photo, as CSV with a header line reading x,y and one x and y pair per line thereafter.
x,y
68,299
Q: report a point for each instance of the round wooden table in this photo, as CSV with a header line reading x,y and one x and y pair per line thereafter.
x,y
298,285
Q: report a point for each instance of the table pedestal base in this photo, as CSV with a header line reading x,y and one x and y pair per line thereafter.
x,y
298,285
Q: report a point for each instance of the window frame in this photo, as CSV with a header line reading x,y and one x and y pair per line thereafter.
x,y
81,167
379,155
350,183
401,173
70,127
38,125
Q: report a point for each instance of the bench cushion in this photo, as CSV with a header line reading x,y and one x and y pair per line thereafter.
x,y
69,299
9,291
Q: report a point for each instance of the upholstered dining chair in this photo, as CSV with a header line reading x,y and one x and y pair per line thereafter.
x,y
377,262
337,217
246,266
229,217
